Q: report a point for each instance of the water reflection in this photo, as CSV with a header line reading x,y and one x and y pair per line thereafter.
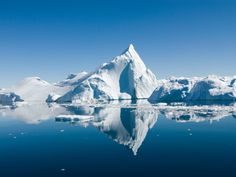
x,y
126,125
33,113
183,115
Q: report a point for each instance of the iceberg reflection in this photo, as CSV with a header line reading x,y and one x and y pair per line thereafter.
x,y
33,113
126,125
183,115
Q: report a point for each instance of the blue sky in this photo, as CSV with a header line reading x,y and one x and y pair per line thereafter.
x,y
51,39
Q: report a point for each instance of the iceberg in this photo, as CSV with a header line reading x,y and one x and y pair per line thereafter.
x,y
34,89
213,88
173,90
125,77
72,79
209,89
9,98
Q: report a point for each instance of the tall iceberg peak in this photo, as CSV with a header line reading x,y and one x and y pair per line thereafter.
x,y
130,52
125,77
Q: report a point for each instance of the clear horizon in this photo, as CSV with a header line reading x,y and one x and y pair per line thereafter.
x,y
51,39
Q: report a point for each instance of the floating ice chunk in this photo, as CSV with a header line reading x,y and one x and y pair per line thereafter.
x,y
69,118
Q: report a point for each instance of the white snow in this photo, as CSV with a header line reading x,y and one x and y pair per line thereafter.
x,y
34,89
73,79
211,88
52,97
125,77
173,89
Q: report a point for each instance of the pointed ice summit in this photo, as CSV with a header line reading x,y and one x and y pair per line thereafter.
x,y
125,77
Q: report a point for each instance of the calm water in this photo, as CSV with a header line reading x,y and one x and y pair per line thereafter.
x,y
42,140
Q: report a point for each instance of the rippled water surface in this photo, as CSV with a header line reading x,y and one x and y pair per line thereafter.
x,y
104,140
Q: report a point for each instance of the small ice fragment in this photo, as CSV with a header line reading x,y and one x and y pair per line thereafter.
x,y
62,131
190,134
22,133
189,129
10,134
63,169
161,104
14,137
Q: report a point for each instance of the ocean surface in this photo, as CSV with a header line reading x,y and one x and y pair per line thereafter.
x,y
42,140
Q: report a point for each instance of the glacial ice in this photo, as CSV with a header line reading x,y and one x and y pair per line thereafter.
x,y
9,98
34,89
124,78
173,90
212,88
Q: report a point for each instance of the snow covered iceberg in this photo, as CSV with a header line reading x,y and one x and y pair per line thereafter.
x,y
213,88
9,98
34,89
125,77
173,90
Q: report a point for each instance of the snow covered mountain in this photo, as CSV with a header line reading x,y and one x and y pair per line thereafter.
x,y
125,77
